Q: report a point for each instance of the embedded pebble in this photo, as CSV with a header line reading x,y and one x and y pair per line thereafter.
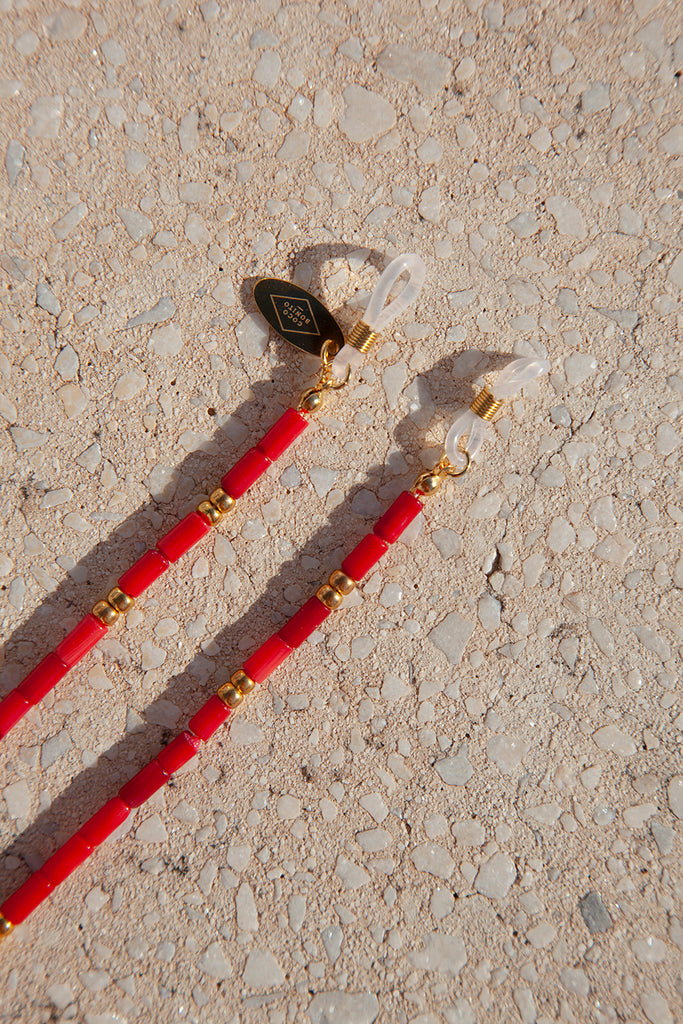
x,y
495,877
567,216
163,310
14,161
137,224
17,799
166,341
595,914
350,1007
46,114
46,299
215,963
675,796
507,752
451,636
455,770
425,69
611,738
262,971
367,114
151,830
444,954
433,859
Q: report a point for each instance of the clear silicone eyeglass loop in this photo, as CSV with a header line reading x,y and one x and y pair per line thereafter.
x,y
378,314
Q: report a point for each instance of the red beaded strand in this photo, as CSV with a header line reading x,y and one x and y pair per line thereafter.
x,y
153,564
211,716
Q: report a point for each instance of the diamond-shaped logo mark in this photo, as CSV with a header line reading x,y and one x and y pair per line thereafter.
x,y
295,315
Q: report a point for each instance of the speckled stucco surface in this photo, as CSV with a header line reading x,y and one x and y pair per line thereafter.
x,y
462,801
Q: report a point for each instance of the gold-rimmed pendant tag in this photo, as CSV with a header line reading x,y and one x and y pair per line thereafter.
x,y
297,316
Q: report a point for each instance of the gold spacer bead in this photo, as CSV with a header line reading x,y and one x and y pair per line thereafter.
x,y
242,682
341,582
230,696
210,512
361,337
310,401
429,483
329,596
485,405
5,926
222,500
105,613
121,601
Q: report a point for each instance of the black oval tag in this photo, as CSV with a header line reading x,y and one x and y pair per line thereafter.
x,y
296,315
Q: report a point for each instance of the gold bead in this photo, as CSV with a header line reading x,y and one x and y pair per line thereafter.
x,y
242,682
230,696
311,401
429,483
223,502
329,596
341,582
210,512
5,926
118,599
105,613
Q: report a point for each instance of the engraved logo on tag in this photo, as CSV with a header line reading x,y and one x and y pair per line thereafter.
x,y
295,314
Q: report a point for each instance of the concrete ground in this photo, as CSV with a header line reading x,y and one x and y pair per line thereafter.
x,y
463,801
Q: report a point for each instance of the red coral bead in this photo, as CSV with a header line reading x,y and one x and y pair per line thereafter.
x,y
27,897
284,433
366,554
182,537
104,822
65,860
143,573
80,640
42,679
12,708
244,473
397,517
178,752
266,659
141,787
209,718
303,622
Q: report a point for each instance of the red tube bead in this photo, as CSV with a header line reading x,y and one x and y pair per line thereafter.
x,y
27,897
174,544
178,752
397,517
209,718
67,858
141,787
12,708
244,473
80,640
266,659
366,554
143,573
104,822
42,679
284,433
303,622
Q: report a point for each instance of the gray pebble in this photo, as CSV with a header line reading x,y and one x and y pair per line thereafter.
x,y
595,914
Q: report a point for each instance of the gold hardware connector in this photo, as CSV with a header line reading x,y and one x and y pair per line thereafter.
x,y
362,337
485,405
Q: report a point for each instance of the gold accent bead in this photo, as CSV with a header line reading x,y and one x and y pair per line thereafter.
x,y
5,926
485,405
121,601
429,483
210,512
361,337
242,682
105,613
341,582
310,401
222,500
230,696
329,596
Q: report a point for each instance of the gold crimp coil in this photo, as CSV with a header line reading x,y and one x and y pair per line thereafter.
x,y
485,405
361,337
